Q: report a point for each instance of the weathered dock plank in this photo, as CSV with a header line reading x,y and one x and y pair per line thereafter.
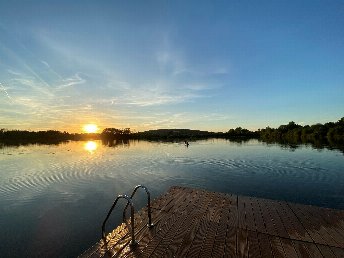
x,y
197,223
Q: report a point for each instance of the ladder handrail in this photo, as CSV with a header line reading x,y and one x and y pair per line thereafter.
x,y
150,224
129,201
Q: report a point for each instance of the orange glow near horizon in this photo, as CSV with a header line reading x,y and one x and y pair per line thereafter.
x,y
90,128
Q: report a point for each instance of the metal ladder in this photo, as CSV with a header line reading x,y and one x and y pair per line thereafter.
x,y
133,242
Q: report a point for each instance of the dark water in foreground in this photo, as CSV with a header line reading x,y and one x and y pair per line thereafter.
x,y
53,199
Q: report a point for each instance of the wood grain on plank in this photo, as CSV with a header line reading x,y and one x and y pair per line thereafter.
x,y
219,242
171,242
208,244
313,250
265,245
253,245
268,221
275,219
242,213
326,251
242,243
231,239
205,224
249,214
335,238
339,252
332,228
276,247
302,250
258,217
174,220
288,248
308,224
316,231
184,229
291,223
188,239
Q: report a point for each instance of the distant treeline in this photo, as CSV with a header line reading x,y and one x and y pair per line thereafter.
x,y
17,137
329,133
174,134
332,133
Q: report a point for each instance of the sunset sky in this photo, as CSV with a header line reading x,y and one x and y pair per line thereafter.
x,y
209,65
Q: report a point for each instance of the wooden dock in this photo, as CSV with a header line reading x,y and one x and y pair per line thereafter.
x,y
197,223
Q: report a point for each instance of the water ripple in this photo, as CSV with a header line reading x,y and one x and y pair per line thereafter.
x,y
85,170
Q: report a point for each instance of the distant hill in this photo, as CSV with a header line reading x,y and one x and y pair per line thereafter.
x,y
174,134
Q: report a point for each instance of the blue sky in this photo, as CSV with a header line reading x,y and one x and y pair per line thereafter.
x,y
210,65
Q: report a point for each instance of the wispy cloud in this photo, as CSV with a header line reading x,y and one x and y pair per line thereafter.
x,y
198,86
171,62
169,57
24,73
182,120
69,82
6,93
160,99
166,120
14,72
45,63
32,83
160,94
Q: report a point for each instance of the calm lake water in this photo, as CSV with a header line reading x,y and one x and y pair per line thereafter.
x,y
54,198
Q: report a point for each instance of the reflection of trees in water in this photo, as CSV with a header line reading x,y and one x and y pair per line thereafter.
x,y
292,146
25,143
239,140
116,143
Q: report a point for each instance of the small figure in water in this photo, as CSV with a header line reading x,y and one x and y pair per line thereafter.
x,y
186,143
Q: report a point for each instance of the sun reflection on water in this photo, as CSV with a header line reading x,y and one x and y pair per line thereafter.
x,y
91,146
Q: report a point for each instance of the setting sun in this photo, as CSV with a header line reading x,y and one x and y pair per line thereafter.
x,y
90,128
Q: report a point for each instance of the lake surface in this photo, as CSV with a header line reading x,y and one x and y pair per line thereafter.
x,y
54,198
